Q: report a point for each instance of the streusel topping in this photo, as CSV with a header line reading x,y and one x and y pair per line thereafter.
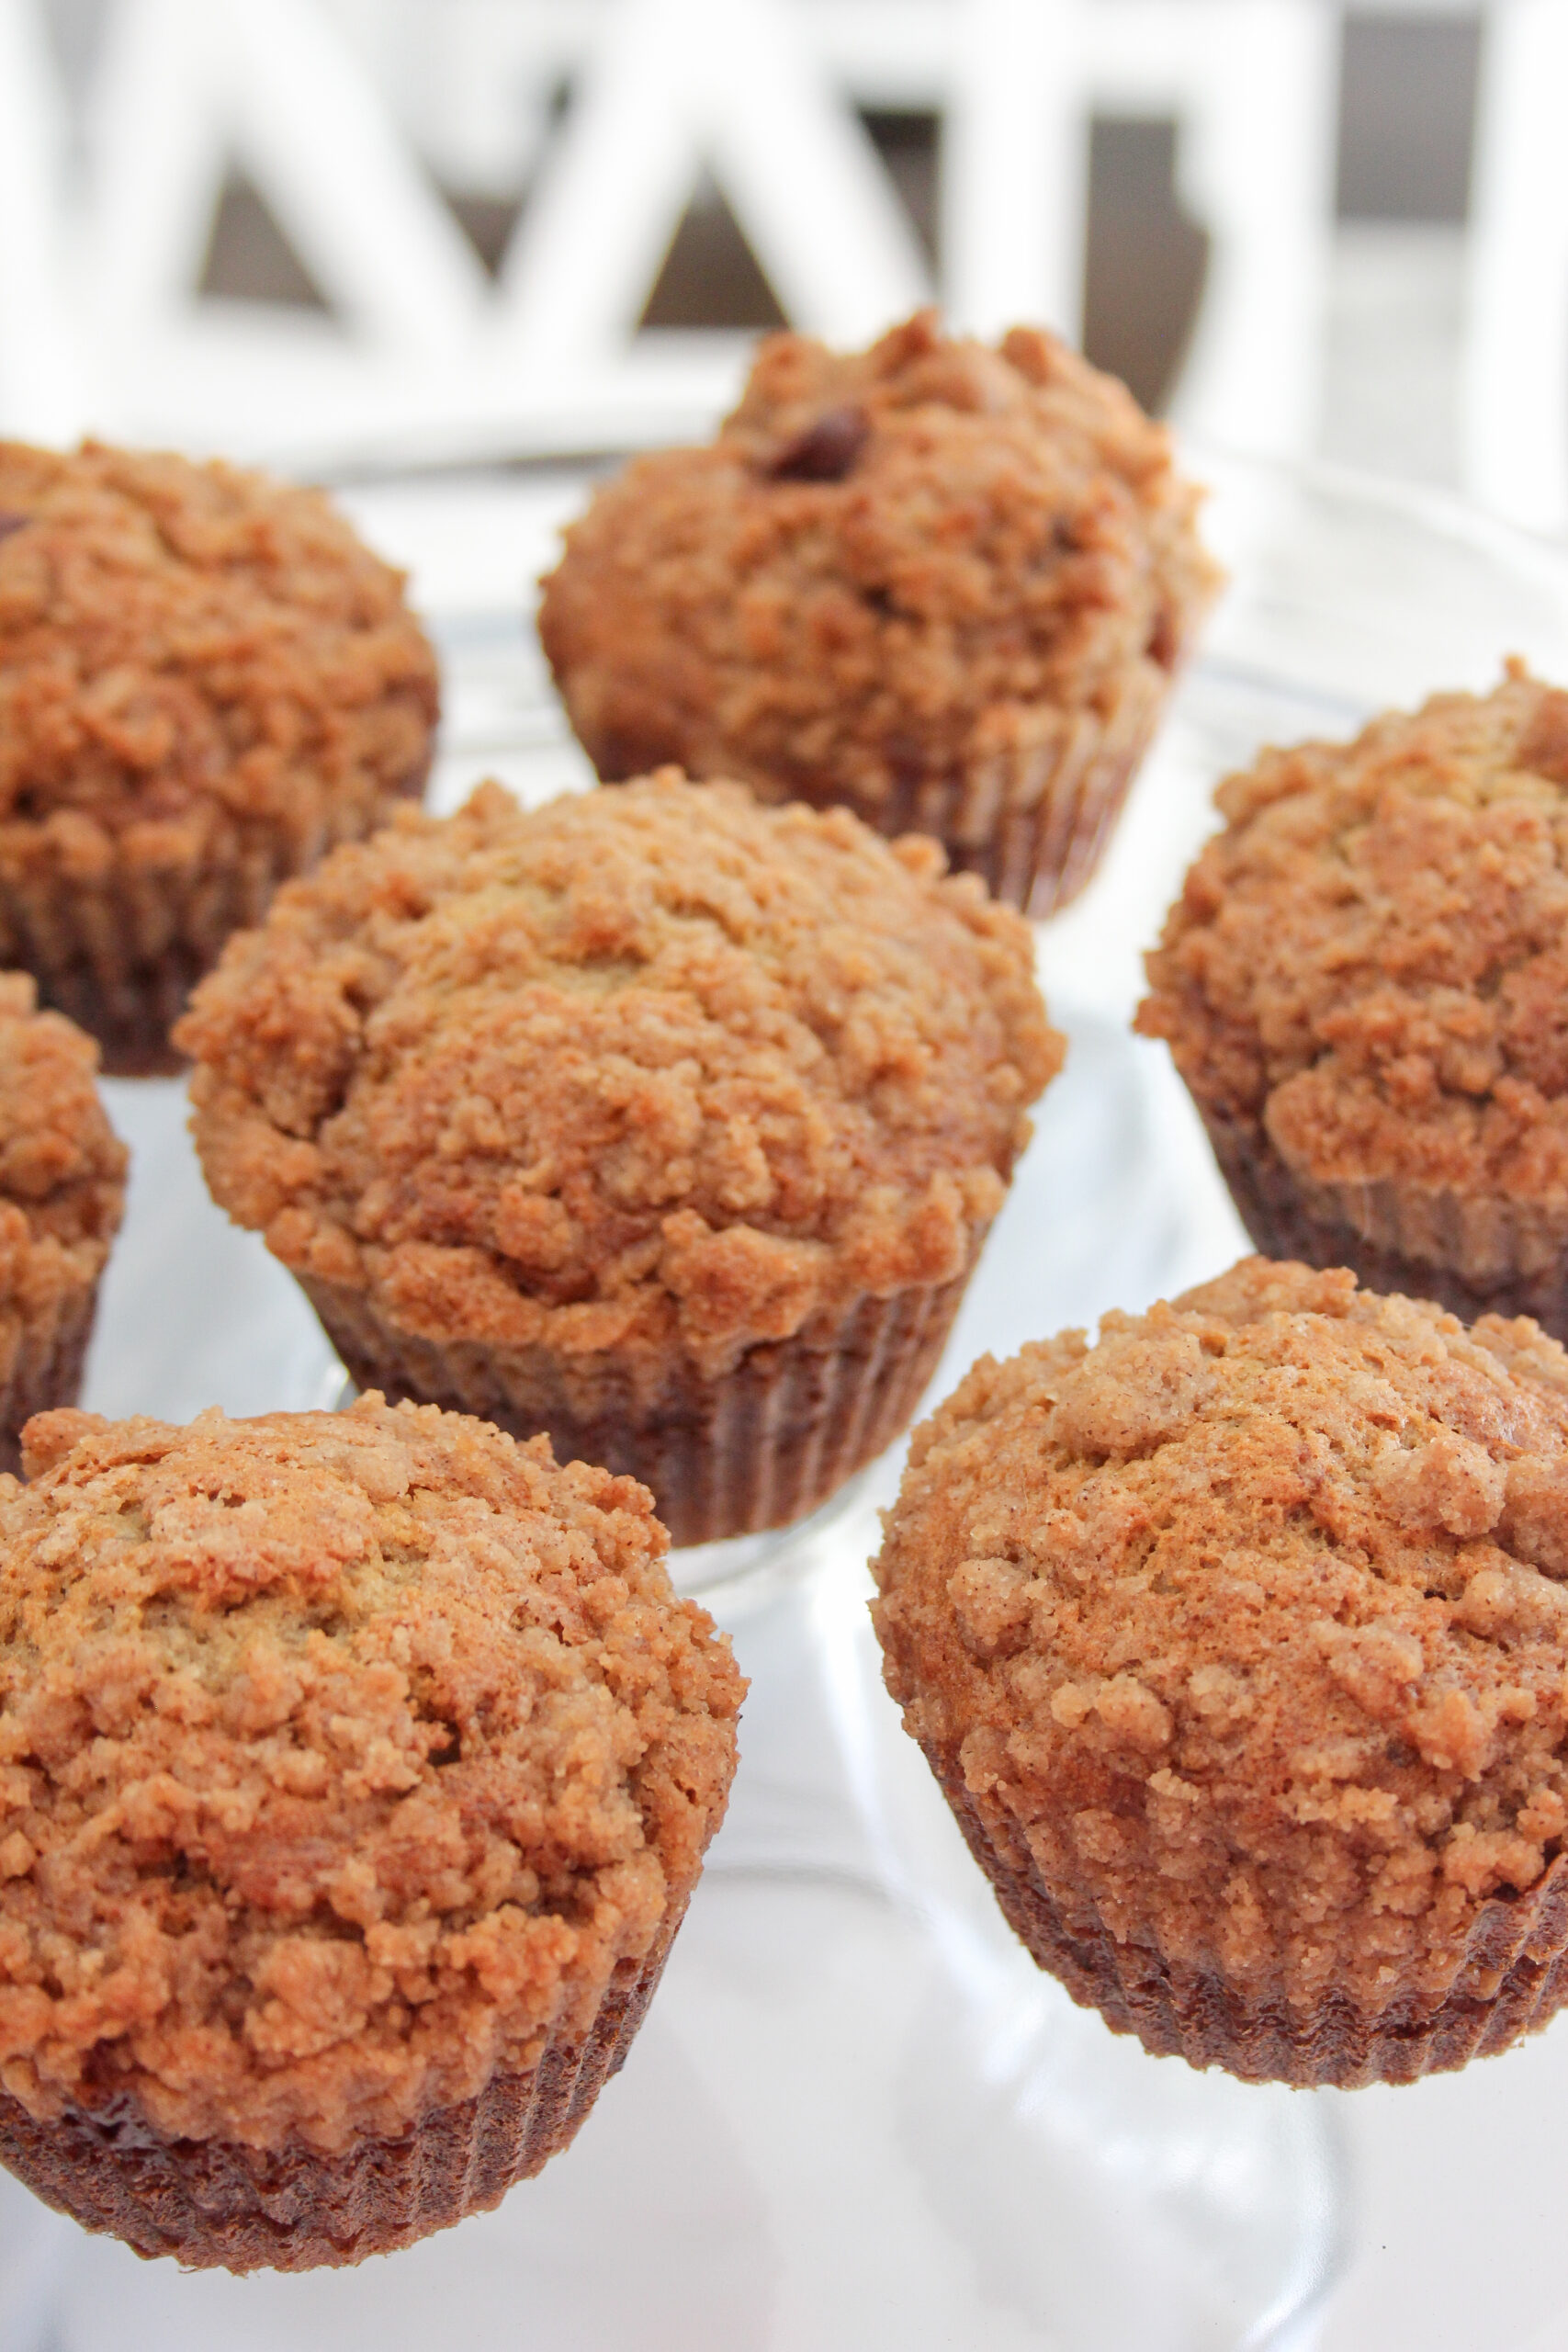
x,y
61,1165
656,1066
177,636
1372,957
889,563
1255,1614
341,1756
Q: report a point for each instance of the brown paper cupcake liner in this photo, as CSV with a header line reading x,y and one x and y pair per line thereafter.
x,y
119,957
759,1446
119,949
46,1370
215,2204
1473,1256
1031,821
1510,1978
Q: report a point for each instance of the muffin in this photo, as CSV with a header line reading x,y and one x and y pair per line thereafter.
x,y
206,681
1238,1643
357,1770
61,1192
1363,985
663,1122
944,584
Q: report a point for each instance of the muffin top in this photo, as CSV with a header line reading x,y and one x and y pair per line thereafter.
x,y
1254,1616
890,563
179,637
655,1067
341,1756
1371,959
61,1165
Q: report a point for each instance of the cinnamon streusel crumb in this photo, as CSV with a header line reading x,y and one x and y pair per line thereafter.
x,y
1245,1632
61,1165
655,1070
179,637
1370,958
905,561
343,1758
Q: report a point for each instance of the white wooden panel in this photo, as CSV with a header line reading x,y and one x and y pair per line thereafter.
x,y
1514,416
330,105
42,392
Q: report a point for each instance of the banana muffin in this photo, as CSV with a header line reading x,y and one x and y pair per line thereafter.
x,y
1238,1643
206,681
945,584
1363,985
664,1122
61,1193
355,1770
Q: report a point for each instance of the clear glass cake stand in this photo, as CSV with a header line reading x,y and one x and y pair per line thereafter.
x,y
856,2112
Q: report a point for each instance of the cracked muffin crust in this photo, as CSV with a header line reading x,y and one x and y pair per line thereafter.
x,y
61,1193
355,1772
1239,1645
942,583
1363,985
663,1121
206,681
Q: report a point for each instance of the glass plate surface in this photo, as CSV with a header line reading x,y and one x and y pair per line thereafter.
x,y
855,2113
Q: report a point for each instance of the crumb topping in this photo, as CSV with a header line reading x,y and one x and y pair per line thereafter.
x,y
341,1756
1372,958
1254,1616
61,1165
652,1067
178,639
893,562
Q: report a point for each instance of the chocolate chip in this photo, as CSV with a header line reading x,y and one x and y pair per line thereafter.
x,y
9,523
826,450
1164,642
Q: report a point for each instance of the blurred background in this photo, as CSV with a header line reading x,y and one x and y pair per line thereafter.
x,y
343,233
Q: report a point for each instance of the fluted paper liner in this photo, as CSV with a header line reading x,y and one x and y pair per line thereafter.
x,y
1475,1255
1508,1979
118,938
1030,820
45,1367
216,2204
119,957
759,1446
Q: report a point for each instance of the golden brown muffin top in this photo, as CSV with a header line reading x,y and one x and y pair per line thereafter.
x,y
1372,957
61,1165
651,1067
173,635
1256,1614
890,563
342,1755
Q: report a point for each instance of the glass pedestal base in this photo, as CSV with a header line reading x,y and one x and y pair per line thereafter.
x,y
856,2114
